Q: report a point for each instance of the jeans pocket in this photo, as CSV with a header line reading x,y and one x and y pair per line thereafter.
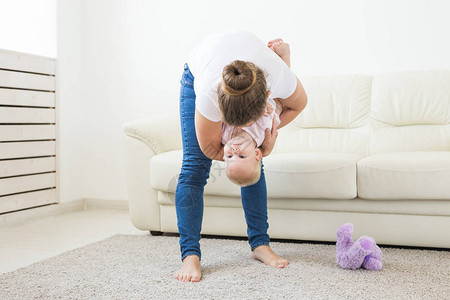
x,y
188,78
187,81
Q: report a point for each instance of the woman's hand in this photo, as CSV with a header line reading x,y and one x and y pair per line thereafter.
x,y
269,141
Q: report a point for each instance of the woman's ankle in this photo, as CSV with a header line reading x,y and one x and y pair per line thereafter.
x,y
191,257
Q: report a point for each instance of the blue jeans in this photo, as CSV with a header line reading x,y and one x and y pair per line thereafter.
x,y
192,180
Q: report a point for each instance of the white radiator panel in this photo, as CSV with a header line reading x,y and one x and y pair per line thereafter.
x,y
27,98
28,131
20,184
28,81
27,149
17,167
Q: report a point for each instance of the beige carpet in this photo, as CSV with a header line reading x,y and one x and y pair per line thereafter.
x,y
141,267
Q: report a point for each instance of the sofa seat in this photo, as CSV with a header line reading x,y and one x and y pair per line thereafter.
x,y
308,175
405,175
355,205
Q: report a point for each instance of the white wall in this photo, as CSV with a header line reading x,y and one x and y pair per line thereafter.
x,y
131,55
28,26
70,101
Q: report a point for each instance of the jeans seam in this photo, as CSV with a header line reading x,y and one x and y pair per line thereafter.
x,y
183,118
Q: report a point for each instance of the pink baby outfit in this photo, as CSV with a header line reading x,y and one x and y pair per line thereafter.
x,y
256,130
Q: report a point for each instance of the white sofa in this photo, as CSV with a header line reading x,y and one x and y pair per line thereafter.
x,y
374,151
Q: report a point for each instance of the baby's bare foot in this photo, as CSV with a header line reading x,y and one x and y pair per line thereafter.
x,y
267,256
270,43
191,270
281,49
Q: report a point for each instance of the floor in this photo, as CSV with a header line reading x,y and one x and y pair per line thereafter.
x,y
36,240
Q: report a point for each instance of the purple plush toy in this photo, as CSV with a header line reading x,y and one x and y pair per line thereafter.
x,y
353,255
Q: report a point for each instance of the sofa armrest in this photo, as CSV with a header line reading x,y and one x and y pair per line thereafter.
x,y
160,133
144,139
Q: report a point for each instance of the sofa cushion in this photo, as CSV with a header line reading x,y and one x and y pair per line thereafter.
x,y
336,101
336,118
288,175
410,111
165,169
311,175
405,175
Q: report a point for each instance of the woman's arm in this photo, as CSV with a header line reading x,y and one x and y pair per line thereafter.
x,y
269,140
209,136
293,105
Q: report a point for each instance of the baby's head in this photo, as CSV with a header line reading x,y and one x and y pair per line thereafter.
x,y
242,160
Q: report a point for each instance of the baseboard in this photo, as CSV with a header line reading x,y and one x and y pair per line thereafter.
x,y
104,203
18,217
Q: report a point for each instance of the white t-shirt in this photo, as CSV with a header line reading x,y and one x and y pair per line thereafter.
x,y
207,60
257,129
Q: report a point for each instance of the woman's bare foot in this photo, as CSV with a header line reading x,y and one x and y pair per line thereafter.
x,y
191,270
267,256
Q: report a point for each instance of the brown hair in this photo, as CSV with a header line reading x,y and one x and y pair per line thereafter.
x,y
242,93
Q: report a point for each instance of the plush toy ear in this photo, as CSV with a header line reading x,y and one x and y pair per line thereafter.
x,y
347,227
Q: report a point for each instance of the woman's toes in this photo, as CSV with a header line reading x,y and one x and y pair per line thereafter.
x,y
281,263
275,263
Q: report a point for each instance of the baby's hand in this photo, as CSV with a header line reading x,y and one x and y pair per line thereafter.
x,y
279,105
269,109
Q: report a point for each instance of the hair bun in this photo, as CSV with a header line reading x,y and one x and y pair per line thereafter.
x,y
238,77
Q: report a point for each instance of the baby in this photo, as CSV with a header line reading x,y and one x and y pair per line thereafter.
x,y
241,153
